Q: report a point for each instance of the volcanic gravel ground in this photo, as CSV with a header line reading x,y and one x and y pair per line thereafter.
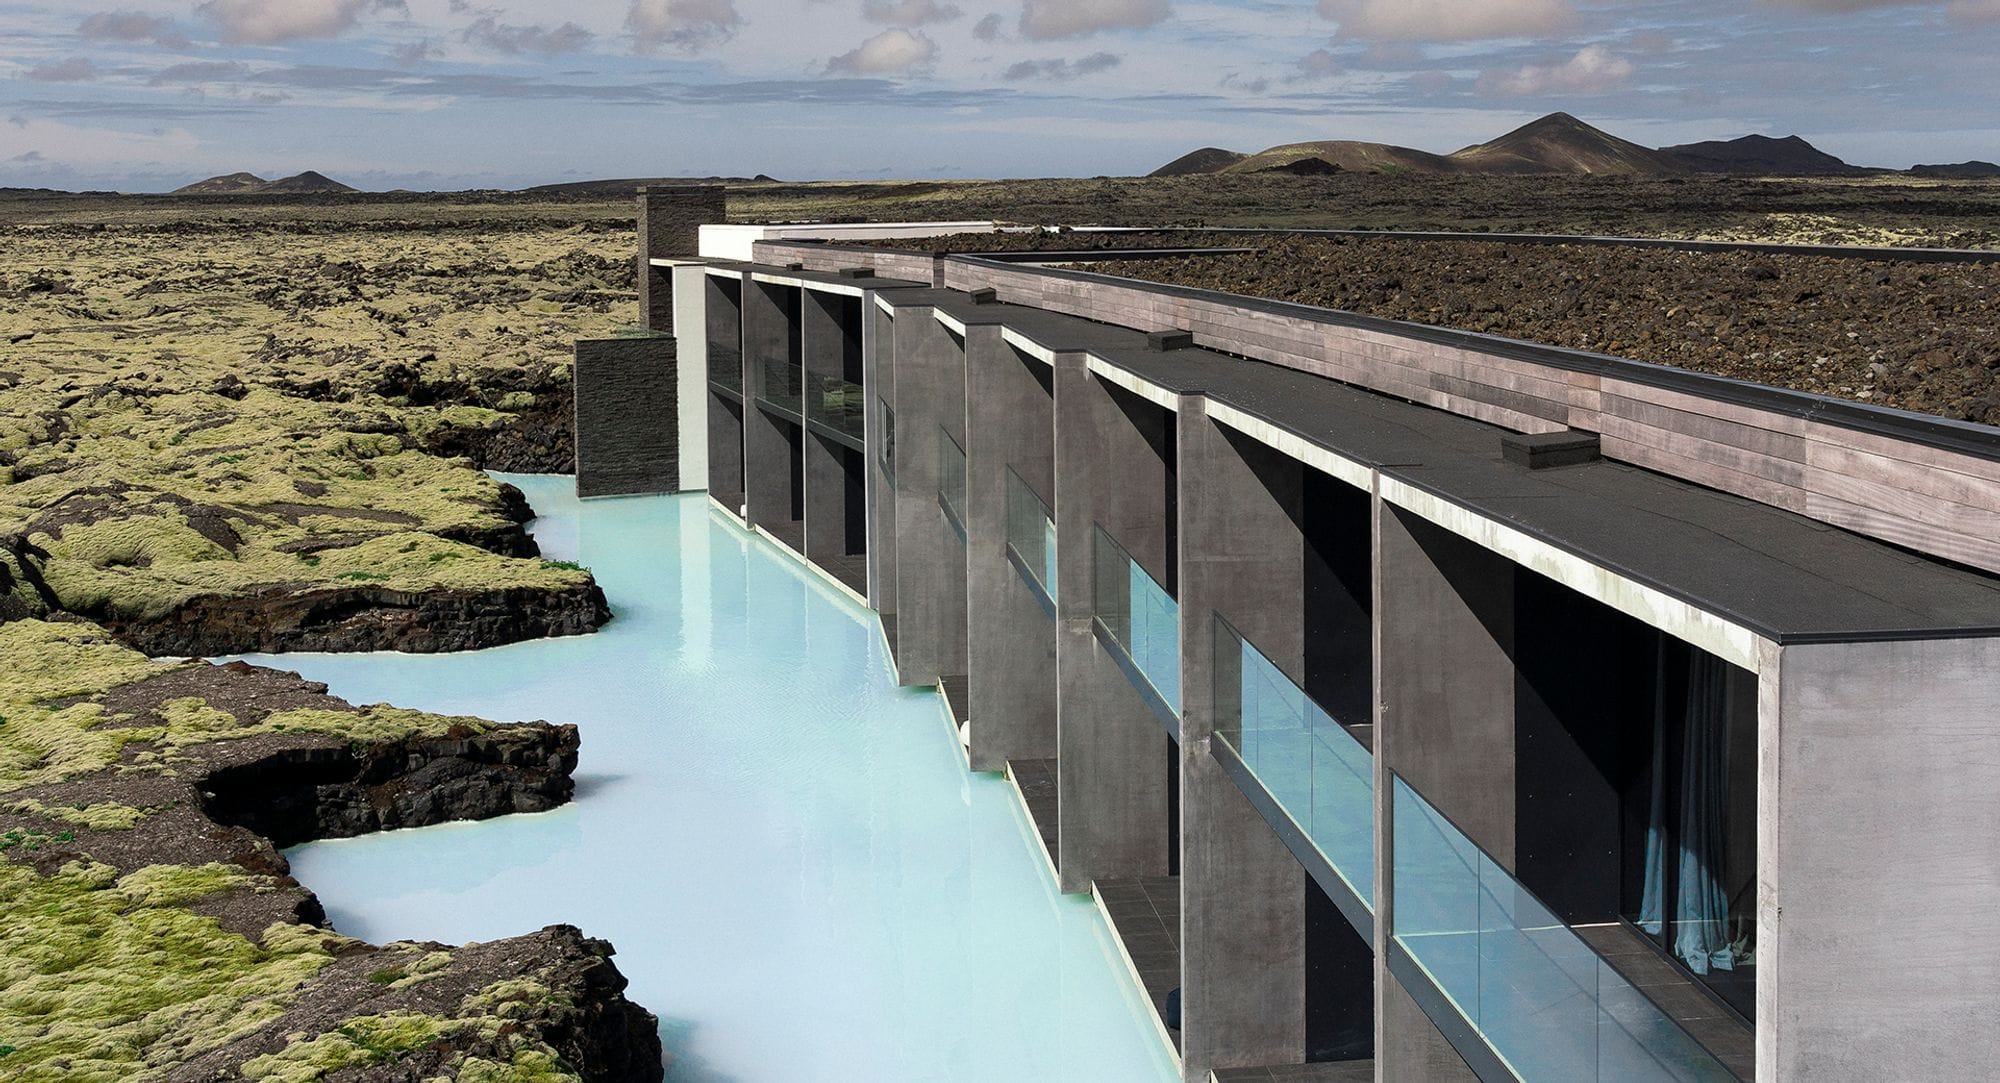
x,y
1922,337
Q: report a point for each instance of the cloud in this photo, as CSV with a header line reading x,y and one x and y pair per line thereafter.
x,y
267,22
686,25
1319,64
198,71
411,53
1446,20
490,33
1970,11
988,28
131,26
76,69
1593,69
1061,70
1050,20
909,12
31,156
887,53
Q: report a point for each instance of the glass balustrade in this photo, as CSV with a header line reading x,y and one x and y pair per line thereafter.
x,y
1031,536
725,367
1309,763
951,480
784,385
1143,619
836,404
1548,1005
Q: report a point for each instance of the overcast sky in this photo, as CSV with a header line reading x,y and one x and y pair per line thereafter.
x,y
146,95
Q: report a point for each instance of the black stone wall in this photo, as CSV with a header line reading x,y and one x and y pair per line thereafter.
x,y
670,220
627,422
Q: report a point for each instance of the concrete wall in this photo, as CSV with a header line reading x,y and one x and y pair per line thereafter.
x,y
878,360
627,432
1111,769
1010,423
1879,800
670,220
690,284
930,564
1242,893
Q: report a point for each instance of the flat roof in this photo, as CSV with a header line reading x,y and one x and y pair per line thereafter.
x,y
1780,575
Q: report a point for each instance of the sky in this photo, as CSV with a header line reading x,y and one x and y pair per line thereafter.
x,y
147,95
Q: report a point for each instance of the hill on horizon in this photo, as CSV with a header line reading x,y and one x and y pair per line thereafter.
x,y
1556,143
1761,154
250,184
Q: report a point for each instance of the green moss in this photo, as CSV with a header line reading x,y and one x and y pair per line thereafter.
x,y
103,816
102,976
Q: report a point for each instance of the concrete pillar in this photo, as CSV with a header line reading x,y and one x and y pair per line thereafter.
x,y
1011,643
1444,719
773,489
879,382
1879,803
627,425
670,220
1112,787
690,281
1242,893
930,562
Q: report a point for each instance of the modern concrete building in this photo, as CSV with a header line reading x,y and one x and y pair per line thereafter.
x,y
1417,705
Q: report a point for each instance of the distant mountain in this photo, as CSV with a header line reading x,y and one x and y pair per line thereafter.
x,y
1760,155
1557,143
250,184
1560,143
228,184
1973,170
1205,160
623,187
1350,155
304,183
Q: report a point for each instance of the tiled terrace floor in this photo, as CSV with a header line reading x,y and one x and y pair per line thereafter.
x,y
1343,1071
1145,914
1036,779
1710,1024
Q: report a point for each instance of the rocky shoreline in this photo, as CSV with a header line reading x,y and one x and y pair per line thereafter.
x,y
158,799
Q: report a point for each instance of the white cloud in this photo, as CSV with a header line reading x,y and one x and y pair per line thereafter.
x,y
1047,20
887,53
909,12
264,22
1446,20
1971,11
1594,68
989,27
1319,64
687,25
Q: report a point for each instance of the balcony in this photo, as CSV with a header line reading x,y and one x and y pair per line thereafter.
x,y
725,370
1519,980
837,406
1319,775
1031,540
784,386
1140,624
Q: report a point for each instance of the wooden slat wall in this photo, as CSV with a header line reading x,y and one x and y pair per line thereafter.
x,y
909,266
1936,501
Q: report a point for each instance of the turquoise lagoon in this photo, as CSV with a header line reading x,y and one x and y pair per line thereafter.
x,y
799,874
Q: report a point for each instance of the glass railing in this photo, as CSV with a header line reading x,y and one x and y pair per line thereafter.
x,y
1310,764
1141,616
951,479
783,386
1031,536
1548,1005
725,368
888,451
837,404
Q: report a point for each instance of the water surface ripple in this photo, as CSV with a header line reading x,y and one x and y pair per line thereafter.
x,y
798,873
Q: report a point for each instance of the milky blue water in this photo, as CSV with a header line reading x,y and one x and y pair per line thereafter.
x,y
799,874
